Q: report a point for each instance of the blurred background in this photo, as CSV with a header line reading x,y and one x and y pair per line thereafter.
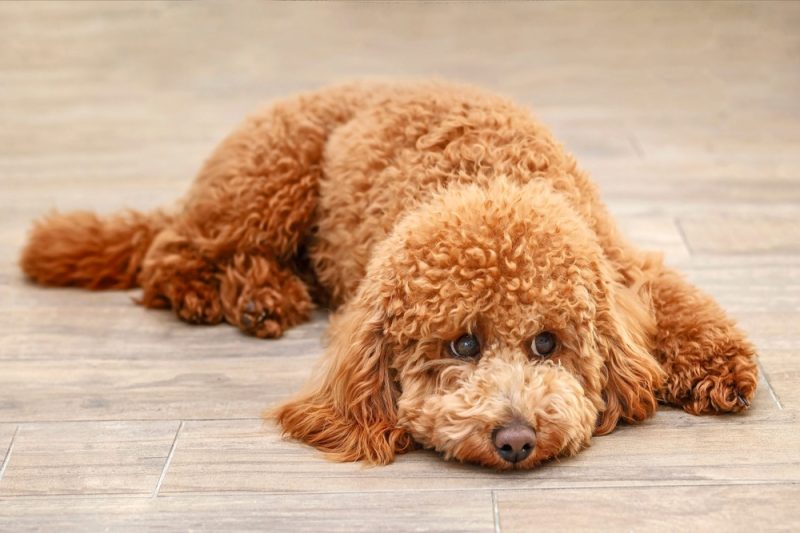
x,y
654,98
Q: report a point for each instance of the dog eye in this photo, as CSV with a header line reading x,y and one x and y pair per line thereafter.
x,y
465,347
544,344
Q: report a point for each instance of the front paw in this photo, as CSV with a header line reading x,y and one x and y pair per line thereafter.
x,y
724,382
729,393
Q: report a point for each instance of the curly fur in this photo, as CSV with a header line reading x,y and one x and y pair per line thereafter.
x,y
420,211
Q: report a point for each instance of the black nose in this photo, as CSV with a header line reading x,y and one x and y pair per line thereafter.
x,y
515,442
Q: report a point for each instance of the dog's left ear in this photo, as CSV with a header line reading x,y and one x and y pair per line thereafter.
x,y
625,332
349,409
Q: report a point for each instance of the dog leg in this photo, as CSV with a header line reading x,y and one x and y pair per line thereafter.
x,y
247,214
711,366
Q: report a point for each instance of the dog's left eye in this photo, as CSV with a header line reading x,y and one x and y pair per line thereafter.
x,y
544,344
465,347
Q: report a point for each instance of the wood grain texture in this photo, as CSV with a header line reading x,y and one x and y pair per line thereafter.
x,y
87,458
756,233
686,117
8,433
673,448
737,507
377,511
87,389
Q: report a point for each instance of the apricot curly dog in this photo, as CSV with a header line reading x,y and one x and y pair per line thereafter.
x,y
487,305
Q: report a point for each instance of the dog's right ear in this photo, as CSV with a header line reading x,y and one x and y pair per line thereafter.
x,y
349,408
632,375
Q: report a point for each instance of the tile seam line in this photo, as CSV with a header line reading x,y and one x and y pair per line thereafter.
x,y
168,461
682,233
770,389
7,456
495,513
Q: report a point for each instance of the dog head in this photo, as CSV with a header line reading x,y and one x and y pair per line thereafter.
x,y
489,327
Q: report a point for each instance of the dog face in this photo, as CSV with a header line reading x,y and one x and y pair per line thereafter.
x,y
489,327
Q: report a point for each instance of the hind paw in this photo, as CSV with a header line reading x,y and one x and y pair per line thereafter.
x,y
262,299
199,304
259,319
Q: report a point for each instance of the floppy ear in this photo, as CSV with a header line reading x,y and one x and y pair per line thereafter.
x,y
349,408
632,375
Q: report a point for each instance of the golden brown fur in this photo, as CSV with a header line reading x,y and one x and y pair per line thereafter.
x,y
421,211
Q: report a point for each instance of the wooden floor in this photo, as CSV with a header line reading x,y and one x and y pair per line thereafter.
x,y
114,417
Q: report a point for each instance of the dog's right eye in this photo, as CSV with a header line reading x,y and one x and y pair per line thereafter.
x,y
465,347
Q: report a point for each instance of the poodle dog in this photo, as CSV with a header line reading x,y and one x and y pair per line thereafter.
x,y
486,305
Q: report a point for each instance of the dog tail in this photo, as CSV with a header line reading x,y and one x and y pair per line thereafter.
x,y
82,249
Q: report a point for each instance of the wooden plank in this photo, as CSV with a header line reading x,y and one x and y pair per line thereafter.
x,y
593,139
87,458
655,232
708,508
71,324
767,233
772,331
684,184
381,511
88,389
782,367
749,284
707,137
673,448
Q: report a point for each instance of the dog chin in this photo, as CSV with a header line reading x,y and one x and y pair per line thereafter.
x,y
545,401
474,444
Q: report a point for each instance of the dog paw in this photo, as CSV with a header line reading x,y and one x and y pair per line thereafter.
x,y
728,393
199,305
711,377
259,319
262,300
